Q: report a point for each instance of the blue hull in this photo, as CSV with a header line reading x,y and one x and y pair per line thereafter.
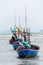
x,y
27,53
15,46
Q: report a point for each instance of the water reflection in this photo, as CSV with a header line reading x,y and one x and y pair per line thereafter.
x,y
29,61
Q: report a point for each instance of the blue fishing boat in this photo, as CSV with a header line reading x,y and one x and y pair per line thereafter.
x,y
15,40
29,52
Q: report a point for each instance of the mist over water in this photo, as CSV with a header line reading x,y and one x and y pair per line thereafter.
x,y
10,57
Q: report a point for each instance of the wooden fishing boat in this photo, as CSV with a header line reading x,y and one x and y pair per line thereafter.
x,y
28,52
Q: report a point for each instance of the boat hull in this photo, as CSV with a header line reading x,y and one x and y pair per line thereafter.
x,y
27,53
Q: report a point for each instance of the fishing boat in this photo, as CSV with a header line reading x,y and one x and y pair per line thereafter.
x,y
28,52
16,40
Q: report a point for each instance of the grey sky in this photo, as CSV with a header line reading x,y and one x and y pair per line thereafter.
x,y
10,8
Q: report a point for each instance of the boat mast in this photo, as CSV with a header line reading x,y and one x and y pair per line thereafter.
x,y
15,19
19,20
26,29
25,21
29,34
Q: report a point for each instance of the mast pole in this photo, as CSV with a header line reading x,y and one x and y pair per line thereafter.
x,y
25,21
15,19
19,20
29,34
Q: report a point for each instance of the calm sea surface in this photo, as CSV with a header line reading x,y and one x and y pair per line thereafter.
x,y
10,57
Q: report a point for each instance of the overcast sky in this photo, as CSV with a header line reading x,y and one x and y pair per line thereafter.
x,y
11,8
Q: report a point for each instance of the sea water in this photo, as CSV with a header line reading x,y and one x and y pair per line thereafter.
x,y
8,56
